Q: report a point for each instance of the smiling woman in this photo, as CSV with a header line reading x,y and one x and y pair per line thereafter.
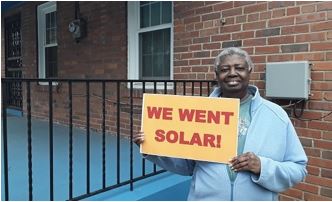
x,y
270,157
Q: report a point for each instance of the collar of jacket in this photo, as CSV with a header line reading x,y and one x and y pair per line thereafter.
x,y
256,100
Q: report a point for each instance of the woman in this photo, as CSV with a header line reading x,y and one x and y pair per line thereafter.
x,y
271,157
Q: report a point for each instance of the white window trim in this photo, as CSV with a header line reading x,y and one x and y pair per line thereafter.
x,y
133,28
42,10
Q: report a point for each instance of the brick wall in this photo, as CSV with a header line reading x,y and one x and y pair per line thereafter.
x,y
102,54
270,32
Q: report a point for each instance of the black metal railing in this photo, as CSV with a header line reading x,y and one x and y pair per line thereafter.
x,y
120,88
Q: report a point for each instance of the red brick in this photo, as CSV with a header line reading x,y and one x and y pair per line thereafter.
x,y
319,181
243,35
243,3
278,13
308,8
200,69
279,4
285,198
266,49
265,15
258,58
195,47
328,96
329,56
315,197
306,132
211,16
223,6
323,163
326,173
329,35
307,187
313,170
281,40
279,58
295,29
232,12
202,10
323,144
321,66
222,37
195,62
312,152
294,193
293,11
321,26
198,25
328,76
230,28
317,76
320,105
202,54
208,32
181,49
316,95
324,6
326,192
281,21
186,55
210,46
327,155
254,42
255,8
311,56
240,19
320,125
192,19
322,46
310,37
310,18
254,25
201,40
253,17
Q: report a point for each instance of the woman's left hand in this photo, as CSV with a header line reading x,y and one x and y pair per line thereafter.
x,y
247,161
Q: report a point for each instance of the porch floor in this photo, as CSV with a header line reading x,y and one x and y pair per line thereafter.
x,y
18,161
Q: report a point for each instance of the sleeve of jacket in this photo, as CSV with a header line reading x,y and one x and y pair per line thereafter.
x,y
278,176
175,165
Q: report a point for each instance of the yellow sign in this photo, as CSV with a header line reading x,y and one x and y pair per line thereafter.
x,y
189,127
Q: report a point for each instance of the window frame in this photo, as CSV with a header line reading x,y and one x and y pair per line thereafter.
x,y
42,10
133,23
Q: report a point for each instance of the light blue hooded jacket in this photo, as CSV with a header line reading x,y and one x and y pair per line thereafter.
x,y
272,137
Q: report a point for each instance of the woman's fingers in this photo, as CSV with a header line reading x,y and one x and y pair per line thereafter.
x,y
138,138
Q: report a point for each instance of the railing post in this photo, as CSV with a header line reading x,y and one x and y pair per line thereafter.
x,y
118,131
4,137
143,159
131,137
50,104
103,128
70,94
87,137
29,139
155,91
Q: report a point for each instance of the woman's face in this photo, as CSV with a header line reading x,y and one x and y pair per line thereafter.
x,y
233,76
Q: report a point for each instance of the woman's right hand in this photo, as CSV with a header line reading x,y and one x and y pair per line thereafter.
x,y
138,138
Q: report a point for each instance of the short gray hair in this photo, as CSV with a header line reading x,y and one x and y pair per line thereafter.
x,y
232,51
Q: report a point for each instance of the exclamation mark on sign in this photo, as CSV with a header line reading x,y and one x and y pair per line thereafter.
x,y
218,140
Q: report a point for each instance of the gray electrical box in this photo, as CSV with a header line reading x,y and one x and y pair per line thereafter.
x,y
288,80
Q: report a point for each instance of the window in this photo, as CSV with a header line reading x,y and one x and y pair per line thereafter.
x,y
47,40
150,40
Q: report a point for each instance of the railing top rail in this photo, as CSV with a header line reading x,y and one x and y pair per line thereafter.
x,y
99,80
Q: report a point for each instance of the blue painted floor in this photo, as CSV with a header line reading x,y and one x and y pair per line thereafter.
x,y
18,161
